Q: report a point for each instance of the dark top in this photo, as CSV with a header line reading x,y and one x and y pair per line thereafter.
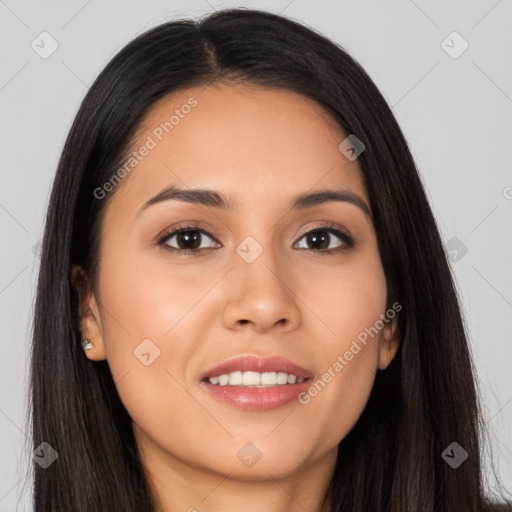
x,y
497,507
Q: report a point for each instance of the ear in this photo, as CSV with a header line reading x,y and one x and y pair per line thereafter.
x,y
89,314
389,342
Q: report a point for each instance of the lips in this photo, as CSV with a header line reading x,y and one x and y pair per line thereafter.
x,y
256,364
257,398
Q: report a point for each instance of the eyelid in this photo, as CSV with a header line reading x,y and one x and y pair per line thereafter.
x,y
167,233
327,226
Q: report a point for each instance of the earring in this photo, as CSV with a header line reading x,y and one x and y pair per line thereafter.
x,y
87,344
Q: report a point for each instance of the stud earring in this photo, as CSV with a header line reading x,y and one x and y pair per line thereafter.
x,y
87,344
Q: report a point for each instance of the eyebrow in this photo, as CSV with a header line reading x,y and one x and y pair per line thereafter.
x,y
215,199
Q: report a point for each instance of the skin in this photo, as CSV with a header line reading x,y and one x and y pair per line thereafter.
x,y
261,147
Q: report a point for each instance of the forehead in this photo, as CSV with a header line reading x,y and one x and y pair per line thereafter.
x,y
252,143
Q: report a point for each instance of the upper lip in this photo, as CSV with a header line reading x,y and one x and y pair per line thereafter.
x,y
250,363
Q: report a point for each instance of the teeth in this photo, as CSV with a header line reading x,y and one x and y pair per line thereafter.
x,y
235,378
282,378
249,378
268,379
255,379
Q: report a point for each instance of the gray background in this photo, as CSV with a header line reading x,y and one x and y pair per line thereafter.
x,y
455,113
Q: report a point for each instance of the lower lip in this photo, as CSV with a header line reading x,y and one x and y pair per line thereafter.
x,y
257,399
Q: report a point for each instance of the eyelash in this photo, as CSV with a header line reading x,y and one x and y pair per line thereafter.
x,y
347,239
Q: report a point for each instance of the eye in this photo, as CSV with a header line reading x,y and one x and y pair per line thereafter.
x,y
187,238
320,239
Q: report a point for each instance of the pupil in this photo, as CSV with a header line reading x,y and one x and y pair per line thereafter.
x,y
315,237
186,237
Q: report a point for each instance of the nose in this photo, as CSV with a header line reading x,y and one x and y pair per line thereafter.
x,y
260,296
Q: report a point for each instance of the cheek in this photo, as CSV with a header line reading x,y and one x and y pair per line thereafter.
x,y
146,332
350,301
346,298
148,318
338,397
147,300
340,391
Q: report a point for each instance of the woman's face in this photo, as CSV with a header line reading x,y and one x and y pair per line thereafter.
x,y
259,286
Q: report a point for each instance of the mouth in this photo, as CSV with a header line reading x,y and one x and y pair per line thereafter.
x,y
255,383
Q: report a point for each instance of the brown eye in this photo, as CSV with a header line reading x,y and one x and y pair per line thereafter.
x,y
186,240
322,240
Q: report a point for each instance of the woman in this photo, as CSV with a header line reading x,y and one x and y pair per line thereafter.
x,y
244,301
